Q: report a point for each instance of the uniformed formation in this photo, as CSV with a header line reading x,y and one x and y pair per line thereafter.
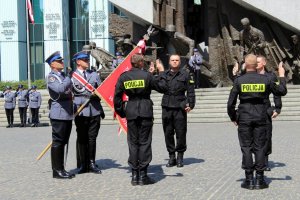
x,y
26,98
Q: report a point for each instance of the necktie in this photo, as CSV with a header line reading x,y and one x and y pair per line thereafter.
x,y
84,75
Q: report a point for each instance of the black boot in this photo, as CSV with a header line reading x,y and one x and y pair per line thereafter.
x,y
144,179
267,163
180,159
172,160
57,160
135,177
92,154
83,157
260,181
249,181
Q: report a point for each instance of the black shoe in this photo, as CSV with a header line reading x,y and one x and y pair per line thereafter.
x,y
32,125
11,126
260,181
268,169
172,161
94,168
180,159
135,177
69,173
82,170
248,184
61,174
8,126
144,179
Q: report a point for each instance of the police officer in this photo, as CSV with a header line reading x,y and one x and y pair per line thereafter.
x,y
137,85
22,97
175,106
89,119
61,113
195,63
251,118
118,60
9,105
273,111
35,100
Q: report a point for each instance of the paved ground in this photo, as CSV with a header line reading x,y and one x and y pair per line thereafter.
x,y
212,166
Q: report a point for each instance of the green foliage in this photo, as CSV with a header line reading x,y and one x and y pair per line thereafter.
x,y
41,84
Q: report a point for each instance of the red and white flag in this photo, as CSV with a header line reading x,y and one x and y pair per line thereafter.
x,y
30,11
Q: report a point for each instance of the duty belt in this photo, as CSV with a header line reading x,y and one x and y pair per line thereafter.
x,y
139,97
252,101
34,100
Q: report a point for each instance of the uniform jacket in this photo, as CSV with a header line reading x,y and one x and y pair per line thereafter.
x,y
195,61
35,99
60,91
276,99
10,100
253,89
22,97
137,85
180,90
94,107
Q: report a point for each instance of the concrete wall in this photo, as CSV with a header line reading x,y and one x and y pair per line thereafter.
x,y
284,12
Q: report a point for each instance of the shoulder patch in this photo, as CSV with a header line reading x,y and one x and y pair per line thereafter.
x,y
51,79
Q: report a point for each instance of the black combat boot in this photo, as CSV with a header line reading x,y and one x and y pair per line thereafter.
x,y
92,164
83,158
249,181
144,179
135,177
267,163
57,160
172,160
260,181
180,159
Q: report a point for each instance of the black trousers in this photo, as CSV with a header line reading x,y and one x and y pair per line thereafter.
x,y
23,114
10,115
61,130
139,139
174,123
87,129
197,74
252,138
268,146
34,115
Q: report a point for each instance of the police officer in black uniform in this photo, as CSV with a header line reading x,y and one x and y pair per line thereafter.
x,y
137,85
61,113
251,118
177,101
273,111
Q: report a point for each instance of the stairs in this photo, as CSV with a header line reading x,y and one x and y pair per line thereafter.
x,y
211,107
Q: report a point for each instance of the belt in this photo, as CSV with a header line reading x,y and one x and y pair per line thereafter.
x,y
34,100
252,101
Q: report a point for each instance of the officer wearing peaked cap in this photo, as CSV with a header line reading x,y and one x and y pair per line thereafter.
x,y
61,113
35,100
22,97
9,105
88,120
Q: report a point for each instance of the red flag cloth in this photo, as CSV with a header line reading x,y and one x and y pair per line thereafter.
x,y
82,81
30,11
107,88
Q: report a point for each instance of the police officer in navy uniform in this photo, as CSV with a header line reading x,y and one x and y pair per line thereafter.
x,y
9,105
253,89
35,100
88,120
176,103
137,85
61,113
22,97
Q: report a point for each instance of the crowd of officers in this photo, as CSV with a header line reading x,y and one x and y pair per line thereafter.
x,y
26,98
68,95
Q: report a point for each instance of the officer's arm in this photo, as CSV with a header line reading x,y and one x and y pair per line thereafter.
x,y
279,90
276,99
191,91
58,87
118,101
231,103
159,82
40,100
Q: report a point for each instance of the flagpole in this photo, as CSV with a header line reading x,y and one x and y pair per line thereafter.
x,y
28,47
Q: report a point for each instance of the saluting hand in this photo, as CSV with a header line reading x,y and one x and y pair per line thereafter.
x,y
281,70
159,65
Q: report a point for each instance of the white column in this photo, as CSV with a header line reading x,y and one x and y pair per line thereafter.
x,y
56,23
13,41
